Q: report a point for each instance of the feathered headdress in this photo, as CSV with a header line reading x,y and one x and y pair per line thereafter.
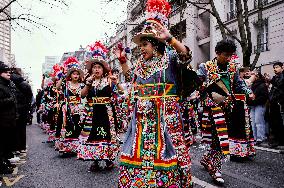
x,y
157,12
97,53
71,65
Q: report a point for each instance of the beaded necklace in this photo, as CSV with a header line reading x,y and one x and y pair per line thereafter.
x,y
75,89
99,84
145,69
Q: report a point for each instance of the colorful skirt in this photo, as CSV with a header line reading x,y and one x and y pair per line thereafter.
x,y
98,139
150,156
67,145
241,140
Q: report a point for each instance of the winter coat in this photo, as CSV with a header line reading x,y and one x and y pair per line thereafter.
x,y
260,91
277,90
23,94
8,116
38,98
8,110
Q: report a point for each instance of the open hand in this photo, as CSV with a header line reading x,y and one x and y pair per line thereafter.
x,y
163,32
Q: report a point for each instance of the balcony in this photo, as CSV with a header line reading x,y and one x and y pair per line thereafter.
x,y
264,2
263,47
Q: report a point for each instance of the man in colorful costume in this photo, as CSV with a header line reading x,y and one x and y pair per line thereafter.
x,y
225,123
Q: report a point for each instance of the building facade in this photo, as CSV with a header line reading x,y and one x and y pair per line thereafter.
x,y
49,62
199,30
5,33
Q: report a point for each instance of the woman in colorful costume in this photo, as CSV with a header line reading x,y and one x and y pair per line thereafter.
x,y
154,153
53,111
71,87
224,122
99,136
47,105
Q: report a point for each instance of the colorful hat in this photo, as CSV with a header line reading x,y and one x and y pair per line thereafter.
x,y
157,12
97,54
71,65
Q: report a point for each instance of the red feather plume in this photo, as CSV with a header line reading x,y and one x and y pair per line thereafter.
x,y
98,45
162,6
70,60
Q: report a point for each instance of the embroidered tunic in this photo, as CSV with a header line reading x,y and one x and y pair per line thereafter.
x,y
154,153
98,137
230,117
71,110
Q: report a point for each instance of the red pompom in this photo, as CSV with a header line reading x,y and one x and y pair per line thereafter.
x,y
70,60
98,45
161,6
56,68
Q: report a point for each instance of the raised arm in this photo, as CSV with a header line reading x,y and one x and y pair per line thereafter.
x,y
85,90
183,51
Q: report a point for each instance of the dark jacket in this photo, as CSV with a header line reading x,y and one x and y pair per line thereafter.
x,y
8,110
23,94
260,91
39,98
277,90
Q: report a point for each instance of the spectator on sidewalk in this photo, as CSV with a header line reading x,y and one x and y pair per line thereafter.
x,y
8,116
257,108
24,98
276,101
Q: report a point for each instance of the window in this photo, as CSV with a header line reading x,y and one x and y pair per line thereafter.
x,y
232,10
263,36
177,5
179,30
263,2
138,10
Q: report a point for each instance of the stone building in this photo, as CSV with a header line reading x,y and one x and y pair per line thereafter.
x,y
200,32
5,33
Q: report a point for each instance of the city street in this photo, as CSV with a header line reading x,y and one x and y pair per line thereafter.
x,y
44,168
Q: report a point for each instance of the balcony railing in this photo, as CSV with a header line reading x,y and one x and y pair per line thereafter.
x,y
263,48
231,15
264,2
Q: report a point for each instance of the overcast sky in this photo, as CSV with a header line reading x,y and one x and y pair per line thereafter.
x,y
80,24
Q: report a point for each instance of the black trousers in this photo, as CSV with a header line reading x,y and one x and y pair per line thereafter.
x,y
276,123
38,120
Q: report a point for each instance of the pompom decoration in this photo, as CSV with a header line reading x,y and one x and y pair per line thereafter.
x,y
235,59
70,62
126,49
56,69
98,49
158,10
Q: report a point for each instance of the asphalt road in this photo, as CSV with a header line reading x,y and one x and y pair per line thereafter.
x,y
44,168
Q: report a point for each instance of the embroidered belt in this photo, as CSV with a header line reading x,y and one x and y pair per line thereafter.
x,y
156,90
74,99
241,97
99,100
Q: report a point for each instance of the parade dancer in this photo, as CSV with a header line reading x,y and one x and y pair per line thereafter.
x,y
224,117
190,117
71,87
154,153
47,105
98,137
53,111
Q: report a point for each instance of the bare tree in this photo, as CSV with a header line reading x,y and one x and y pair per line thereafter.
x,y
24,18
242,16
